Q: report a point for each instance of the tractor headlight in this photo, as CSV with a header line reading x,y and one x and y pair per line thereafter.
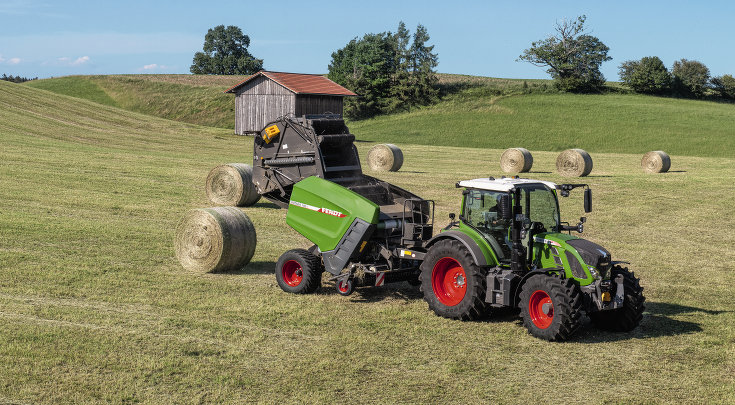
x,y
594,273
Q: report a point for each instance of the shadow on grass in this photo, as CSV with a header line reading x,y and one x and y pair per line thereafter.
x,y
263,203
656,323
369,294
254,268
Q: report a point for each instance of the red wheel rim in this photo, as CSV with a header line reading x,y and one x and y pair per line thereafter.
x,y
343,286
541,309
449,281
292,273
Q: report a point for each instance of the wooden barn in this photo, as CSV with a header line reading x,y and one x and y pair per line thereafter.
x,y
265,96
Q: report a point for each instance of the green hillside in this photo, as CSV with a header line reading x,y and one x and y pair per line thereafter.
x,y
185,98
555,122
95,308
474,112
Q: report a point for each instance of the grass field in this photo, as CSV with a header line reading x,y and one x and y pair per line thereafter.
x,y
95,308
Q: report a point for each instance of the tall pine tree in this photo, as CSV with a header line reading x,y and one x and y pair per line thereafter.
x,y
387,73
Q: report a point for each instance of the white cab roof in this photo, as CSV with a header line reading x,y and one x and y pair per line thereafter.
x,y
502,184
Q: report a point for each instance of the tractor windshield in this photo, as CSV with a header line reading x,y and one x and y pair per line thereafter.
x,y
540,205
482,212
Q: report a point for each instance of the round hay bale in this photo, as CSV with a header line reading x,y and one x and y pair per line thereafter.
x,y
385,157
516,160
215,239
232,184
574,163
656,162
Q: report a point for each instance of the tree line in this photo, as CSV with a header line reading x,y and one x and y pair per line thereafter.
x,y
394,72
573,58
16,79
390,72
687,78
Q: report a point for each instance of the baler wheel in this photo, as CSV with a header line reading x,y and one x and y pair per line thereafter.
x,y
550,307
298,271
452,283
628,317
345,287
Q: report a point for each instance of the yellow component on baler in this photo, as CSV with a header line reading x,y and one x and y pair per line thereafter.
x,y
606,297
270,133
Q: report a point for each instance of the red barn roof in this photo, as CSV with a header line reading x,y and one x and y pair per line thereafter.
x,y
300,84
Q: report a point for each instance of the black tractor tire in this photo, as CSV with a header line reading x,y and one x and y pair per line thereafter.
x,y
454,286
551,307
298,271
628,317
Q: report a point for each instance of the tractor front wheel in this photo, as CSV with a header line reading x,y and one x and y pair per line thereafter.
x,y
452,283
550,307
628,317
298,271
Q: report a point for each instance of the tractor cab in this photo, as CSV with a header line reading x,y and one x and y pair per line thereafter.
x,y
484,207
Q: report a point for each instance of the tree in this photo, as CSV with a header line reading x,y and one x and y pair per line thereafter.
x,y
365,67
387,73
225,53
572,56
691,78
724,86
647,76
422,64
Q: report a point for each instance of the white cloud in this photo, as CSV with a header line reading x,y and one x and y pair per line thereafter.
x,y
1,58
14,61
80,61
156,66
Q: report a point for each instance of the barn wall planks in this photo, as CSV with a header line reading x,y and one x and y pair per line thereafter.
x,y
262,101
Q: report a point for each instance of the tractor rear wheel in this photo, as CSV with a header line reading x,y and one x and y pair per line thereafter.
x,y
298,271
452,283
628,317
550,307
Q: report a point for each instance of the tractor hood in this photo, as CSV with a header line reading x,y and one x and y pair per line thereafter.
x,y
583,257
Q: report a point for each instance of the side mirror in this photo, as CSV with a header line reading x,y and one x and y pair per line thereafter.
x,y
588,200
451,216
505,210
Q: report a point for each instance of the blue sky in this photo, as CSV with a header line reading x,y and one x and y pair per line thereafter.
x,y
41,38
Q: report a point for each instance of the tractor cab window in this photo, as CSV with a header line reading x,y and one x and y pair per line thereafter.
x,y
482,212
540,205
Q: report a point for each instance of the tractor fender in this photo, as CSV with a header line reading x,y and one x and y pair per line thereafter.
x,y
466,240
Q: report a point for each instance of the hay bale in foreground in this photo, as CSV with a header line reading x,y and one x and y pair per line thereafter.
x,y
215,239
385,157
232,184
574,163
656,162
516,160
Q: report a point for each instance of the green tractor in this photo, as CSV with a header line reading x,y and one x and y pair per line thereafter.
x,y
507,248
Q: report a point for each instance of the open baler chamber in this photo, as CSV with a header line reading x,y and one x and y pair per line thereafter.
x,y
311,166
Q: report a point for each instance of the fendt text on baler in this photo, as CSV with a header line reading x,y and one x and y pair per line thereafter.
x,y
506,249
